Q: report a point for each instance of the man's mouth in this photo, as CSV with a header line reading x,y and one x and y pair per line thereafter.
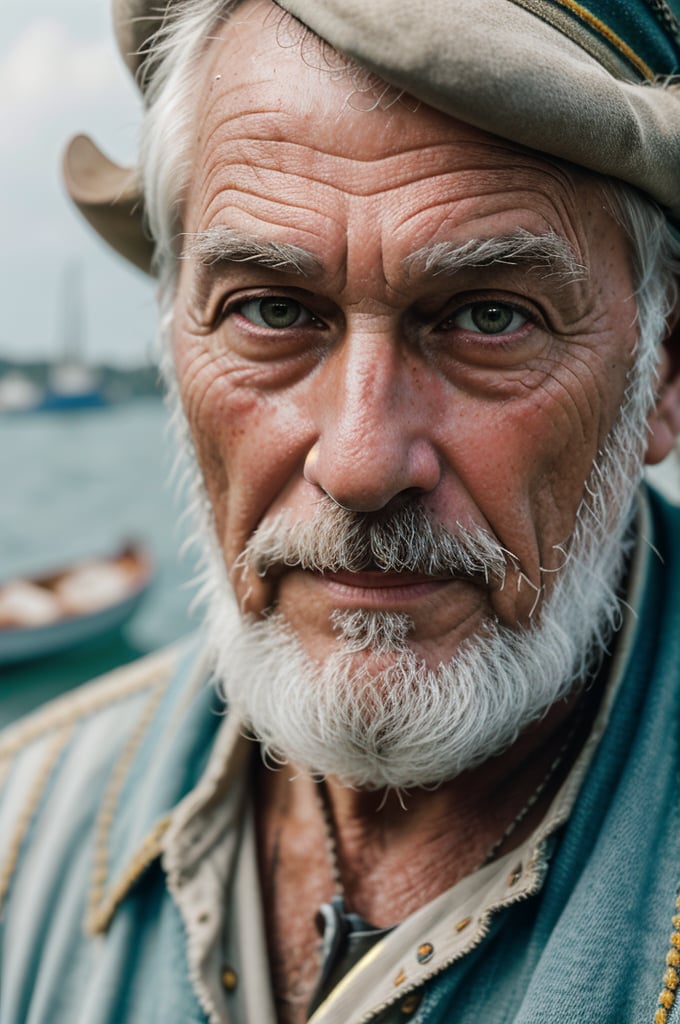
x,y
379,589
379,579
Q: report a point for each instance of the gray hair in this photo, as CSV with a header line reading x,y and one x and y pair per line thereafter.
x,y
169,75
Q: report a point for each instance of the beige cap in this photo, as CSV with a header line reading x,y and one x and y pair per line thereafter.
x,y
536,73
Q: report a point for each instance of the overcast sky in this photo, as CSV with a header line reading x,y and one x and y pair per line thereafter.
x,y
60,74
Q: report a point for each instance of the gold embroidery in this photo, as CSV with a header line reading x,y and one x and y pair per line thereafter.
x,y
229,979
86,700
410,1003
101,906
611,37
671,978
59,741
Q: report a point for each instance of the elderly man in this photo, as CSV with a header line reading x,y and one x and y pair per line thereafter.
x,y
417,299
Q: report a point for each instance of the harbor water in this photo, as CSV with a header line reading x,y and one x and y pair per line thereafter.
x,y
80,484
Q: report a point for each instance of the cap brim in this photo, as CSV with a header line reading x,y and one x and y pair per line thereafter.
x,y
110,199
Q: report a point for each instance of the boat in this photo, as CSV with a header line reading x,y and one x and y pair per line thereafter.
x,y
71,383
89,599
18,393
71,386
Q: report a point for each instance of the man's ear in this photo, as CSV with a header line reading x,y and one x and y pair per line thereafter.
x,y
664,419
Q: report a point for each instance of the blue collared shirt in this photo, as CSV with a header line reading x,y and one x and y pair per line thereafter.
x,y
117,798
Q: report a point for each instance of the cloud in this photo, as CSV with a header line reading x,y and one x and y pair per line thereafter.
x,y
48,70
58,78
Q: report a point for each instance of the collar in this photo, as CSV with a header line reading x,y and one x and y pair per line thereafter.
x,y
163,759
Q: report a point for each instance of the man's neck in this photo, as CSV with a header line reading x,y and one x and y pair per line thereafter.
x,y
395,854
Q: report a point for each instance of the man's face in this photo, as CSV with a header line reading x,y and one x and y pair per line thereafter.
x,y
484,390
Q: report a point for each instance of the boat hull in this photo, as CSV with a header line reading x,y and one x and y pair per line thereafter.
x,y
27,643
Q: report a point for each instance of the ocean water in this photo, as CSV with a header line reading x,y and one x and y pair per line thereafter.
x,y
78,484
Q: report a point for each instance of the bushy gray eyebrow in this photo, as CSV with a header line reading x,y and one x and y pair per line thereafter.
x,y
550,254
225,245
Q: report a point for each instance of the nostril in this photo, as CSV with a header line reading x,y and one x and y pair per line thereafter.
x,y
408,495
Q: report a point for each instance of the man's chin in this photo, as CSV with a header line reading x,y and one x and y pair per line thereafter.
x,y
374,670
372,717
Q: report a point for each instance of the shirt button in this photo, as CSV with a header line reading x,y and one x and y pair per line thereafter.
x,y
424,952
229,978
410,1003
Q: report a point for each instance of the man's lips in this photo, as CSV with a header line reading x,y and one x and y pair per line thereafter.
x,y
377,579
380,589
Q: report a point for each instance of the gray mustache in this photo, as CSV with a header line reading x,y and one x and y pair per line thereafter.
x,y
407,539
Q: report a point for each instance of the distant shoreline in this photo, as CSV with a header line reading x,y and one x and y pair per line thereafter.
x,y
120,383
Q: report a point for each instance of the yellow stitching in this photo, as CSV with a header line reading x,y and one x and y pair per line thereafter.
x,y
64,710
55,748
671,978
98,918
610,36
100,908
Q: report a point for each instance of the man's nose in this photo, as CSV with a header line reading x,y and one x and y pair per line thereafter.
x,y
375,438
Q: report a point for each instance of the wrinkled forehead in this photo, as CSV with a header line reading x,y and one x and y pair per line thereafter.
x,y
264,77
274,99
262,60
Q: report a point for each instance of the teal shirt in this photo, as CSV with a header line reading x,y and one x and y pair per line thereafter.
x,y
90,933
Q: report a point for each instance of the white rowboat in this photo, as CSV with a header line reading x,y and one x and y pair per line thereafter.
x,y
60,610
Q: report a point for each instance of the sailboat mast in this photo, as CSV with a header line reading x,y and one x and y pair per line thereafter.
x,y
72,334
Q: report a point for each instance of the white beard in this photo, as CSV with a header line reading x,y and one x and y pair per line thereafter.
x,y
403,724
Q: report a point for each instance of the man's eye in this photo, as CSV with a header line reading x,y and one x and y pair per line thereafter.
x,y
487,318
275,312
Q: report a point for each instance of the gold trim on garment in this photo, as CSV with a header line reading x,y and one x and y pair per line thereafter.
x,y
564,23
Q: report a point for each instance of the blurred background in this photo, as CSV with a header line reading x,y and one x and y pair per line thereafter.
x,y
84,456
